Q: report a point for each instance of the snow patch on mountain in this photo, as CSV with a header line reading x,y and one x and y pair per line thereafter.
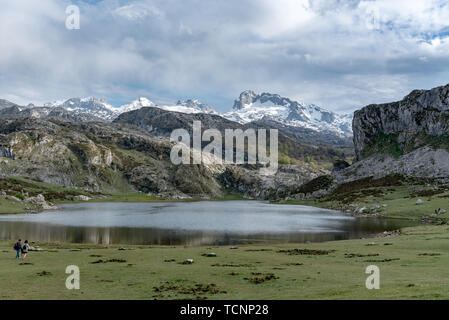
x,y
94,106
190,106
100,108
256,107
135,105
249,107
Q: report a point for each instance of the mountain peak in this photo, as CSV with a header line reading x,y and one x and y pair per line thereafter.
x,y
136,104
246,98
251,106
196,104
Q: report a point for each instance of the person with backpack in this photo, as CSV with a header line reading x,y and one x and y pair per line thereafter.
x,y
25,249
18,248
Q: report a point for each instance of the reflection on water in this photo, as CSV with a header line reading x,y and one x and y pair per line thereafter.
x,y
192,223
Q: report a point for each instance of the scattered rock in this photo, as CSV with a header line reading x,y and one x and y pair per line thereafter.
x,y
361,210
210,255
419,202
39,201
187,261
13,198
388,234
82,198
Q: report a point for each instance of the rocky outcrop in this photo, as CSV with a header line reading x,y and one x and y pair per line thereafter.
x,y
424,162
420,119
40,202
285,183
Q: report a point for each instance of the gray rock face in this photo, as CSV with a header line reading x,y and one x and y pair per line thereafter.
x,y
47,113
6,104
410,123
424,162
245,98
251,106
6,152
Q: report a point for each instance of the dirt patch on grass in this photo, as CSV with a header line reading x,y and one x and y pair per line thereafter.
x,y
231,265
260,278
358,255
383,260
25,264
44,273
258,250
306,252
427,193
429,254
199,290
110,260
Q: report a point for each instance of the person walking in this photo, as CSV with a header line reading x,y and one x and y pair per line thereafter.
x,y
25,249
18,248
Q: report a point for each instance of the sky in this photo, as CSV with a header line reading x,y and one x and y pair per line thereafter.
x,y
340,55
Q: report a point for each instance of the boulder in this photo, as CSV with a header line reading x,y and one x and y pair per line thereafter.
x,y
13,198
362,210
39,201
82,198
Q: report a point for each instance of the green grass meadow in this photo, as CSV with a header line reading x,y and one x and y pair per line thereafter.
x,y
412,266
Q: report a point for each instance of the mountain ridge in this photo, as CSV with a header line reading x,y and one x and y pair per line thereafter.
x,y
249,107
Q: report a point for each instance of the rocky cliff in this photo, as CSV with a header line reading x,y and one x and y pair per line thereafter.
x,y
420,119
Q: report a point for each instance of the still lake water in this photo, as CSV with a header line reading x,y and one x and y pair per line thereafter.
x,y
189,223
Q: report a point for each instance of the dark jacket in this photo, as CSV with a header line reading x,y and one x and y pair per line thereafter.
x,y
25,248
19,246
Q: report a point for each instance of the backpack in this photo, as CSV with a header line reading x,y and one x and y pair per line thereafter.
x,y
24,248
16,246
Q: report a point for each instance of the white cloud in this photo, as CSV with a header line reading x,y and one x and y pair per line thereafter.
x,y
318,51
137,11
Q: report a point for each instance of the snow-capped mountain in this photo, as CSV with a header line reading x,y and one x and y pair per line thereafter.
x,y
6,104
247,108
135,105
266,106
189,106
93,106
101,109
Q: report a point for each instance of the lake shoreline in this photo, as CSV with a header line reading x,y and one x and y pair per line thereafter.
x,y
193,223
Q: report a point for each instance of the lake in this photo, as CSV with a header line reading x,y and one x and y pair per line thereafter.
x,y
190,223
